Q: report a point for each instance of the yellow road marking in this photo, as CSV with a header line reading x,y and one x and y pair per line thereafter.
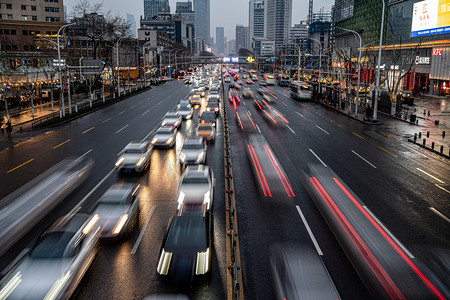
x,y
88,129
121,112
387,151
133,106
358,135
107,120
442,188
337,123
20,165
62,144
430,175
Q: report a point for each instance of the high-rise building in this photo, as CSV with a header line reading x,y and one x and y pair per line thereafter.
x,y
231,46
132,22
220,42
242,37
299,33
184,9
202,19
257,18
164,23
153,7
319,30
279,14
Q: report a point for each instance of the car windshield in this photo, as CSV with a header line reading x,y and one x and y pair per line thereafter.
x,y
185,108
130,151
52,245
187,232
113,198
192,147
209,128
195,180
164,131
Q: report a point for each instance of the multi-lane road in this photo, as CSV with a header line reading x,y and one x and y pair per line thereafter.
x,y
405,188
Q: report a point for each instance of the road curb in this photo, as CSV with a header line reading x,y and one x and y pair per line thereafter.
x,y
348,115
430,149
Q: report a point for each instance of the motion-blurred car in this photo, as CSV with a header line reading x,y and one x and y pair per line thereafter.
x,y
193,152
208,117
134,157
186,112
272,115
164,137
118,209
197,187
214,98
249,81
171,119
56,262
233,96
186,248
263,83
240,82
184,102
245,121
206,131
214,107
254,77
247,93
195,100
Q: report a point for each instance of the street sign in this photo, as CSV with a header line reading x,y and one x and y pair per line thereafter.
x,y
92,67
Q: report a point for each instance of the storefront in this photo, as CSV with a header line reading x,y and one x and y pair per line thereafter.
x,y
440,72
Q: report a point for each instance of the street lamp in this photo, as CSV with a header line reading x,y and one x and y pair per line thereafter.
x,y
143,54
298,64
176,64
320,59
118,71
359,67
63,111
377,85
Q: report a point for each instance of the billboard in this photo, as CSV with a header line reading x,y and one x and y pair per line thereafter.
x,y
430,17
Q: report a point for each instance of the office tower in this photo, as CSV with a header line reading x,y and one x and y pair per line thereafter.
x,y
132,22
257,18
242,37
220,42
153,7
279,14
202,19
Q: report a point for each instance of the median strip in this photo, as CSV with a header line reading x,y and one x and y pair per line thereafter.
x,y
21,165
61,144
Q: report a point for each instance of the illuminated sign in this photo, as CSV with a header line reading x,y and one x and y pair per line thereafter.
x,y
422,60
250,59
430,17
336,64
437,51
235,59
226,59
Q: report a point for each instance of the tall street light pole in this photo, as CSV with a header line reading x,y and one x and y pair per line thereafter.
x,y
143,54
62,111
377,85
118,66
359,67
320,59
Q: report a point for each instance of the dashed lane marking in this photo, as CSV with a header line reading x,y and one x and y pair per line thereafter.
x,y
426,173
387,151
57,146
21,165
87,130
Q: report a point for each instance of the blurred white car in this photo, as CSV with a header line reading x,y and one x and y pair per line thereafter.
x,y
206,131
134,157
171,118
56,262
164,137
186,112
197,187
118,209
193,152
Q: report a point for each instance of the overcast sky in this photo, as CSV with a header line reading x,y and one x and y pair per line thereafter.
x,y
224,13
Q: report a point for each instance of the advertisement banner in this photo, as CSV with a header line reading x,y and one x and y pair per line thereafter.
x,y
430,17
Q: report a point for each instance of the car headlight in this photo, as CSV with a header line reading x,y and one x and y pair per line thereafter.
x,y
181,199
154,140
11,285
200,156
164,263
182,156
120,161
139,163
163,123
207,199
58,286
202,265
169,140
216,109
119,225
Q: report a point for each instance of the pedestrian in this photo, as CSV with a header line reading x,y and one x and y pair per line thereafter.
x,y
8,129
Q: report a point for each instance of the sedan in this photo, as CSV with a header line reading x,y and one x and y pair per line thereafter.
x,y
172,119
164,137
247,93
206,131
193,152
118,209
214,107
248,81
195,100
186,112
197,187
233,96
134,157
207,117
56,262
186,248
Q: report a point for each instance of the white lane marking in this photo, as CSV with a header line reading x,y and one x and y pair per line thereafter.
x,y
290,129
122,128
284,104
82,156
141,235
318,158
244,103
322,129
299,114
364,159
257,127
442,188
146,111
309,231
159,102
77,207
389,233
437,179
439,214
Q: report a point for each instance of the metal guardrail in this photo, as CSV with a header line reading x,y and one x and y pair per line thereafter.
x,y
235,289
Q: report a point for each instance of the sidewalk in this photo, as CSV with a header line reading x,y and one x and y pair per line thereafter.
x,y
431,130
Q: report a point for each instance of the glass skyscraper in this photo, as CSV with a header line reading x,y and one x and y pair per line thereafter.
x,y
153,7
202,22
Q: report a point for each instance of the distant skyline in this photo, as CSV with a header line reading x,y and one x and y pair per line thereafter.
x,y
223,13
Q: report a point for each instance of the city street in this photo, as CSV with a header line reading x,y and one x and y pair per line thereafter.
x,y
402,185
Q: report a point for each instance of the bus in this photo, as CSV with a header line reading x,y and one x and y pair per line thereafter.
x,y
269,79
300,90
283,80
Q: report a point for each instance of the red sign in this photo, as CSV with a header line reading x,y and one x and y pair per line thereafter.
x,y
336,64
437,52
